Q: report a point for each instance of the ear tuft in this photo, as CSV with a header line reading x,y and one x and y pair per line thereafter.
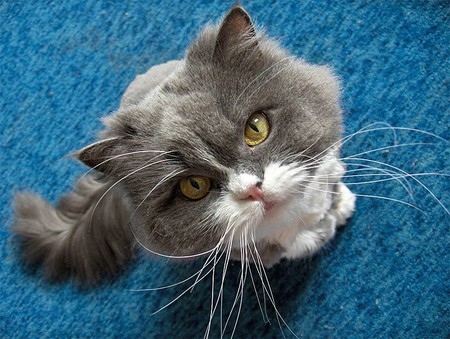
x,y
236,29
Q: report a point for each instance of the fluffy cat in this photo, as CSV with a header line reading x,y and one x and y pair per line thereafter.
x,y
233,150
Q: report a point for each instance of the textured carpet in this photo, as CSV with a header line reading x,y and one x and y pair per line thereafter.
x,y
65,64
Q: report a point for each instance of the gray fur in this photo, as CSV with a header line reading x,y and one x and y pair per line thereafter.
x,y
196,115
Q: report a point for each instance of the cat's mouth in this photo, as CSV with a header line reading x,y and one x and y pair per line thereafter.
x,y
271,208
268,205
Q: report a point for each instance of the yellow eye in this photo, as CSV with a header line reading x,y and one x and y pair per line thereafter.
x,y
257,129
195,187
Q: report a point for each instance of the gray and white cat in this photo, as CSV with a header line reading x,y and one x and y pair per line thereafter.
x,y
233,150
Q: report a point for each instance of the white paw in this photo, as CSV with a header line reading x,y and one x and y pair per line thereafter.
x,y
345,205
308,242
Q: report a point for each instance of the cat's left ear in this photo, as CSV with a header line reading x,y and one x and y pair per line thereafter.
x,y
99,154
236,35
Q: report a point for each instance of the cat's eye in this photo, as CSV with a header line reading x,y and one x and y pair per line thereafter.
x,y
195,187
257,129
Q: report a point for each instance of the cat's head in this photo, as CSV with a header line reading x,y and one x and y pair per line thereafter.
x,y
225,144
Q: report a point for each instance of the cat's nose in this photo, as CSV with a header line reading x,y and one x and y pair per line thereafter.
x,y
255,193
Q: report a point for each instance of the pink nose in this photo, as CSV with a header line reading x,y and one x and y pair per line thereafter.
x,y
255,193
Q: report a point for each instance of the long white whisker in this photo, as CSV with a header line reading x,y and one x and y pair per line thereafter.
x,y
207,262
238,292
408,175
392,174
390,199
257,77
264,83
220,243
119,181
224,270
404,183
212,308
188,289
180,256
169,176
381,174
119,156
257,297
366,130
171,256
181,294
268,289
391,147
244,278
394,177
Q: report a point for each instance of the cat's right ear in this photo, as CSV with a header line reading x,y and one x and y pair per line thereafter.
x,y
99,154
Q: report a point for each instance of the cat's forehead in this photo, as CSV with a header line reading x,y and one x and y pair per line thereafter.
x,y
201,134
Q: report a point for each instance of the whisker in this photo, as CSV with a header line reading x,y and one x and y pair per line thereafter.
x,y
268,289
392,174
402,181
390,199
224,270
408,175
244,278
238,292
207,262
170,256
119,156
119,181
169,176
212,309
257,297
221,240
391,147
394,177
259,267
180,295
257,77
264,83
180,256
186,290
391,128
369,129
381,174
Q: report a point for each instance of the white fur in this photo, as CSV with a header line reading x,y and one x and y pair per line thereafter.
x,y
303,217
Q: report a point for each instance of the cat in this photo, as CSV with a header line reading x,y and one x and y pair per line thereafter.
x,y
232,151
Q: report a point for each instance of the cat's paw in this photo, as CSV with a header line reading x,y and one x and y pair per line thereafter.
x,y
344,204
270,255
308,242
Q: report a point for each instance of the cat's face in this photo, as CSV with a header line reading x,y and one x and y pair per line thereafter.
x,y
189,157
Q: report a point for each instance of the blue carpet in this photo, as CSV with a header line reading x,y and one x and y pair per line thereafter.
x,y
65,64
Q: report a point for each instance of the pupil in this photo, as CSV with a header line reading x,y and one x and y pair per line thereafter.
x,y
253,127
194,184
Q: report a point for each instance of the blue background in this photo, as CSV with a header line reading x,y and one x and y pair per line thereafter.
x,y
64,64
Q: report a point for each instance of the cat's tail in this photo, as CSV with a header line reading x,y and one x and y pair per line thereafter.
x,y
86,236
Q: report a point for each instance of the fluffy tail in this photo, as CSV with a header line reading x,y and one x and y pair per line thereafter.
x,y
86,236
